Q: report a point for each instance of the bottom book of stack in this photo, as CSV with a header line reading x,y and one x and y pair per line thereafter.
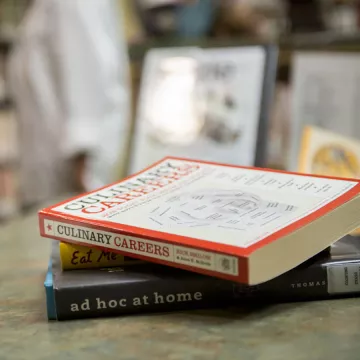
x,y
148,288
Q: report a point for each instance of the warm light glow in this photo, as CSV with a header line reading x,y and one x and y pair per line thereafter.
x,y
173,111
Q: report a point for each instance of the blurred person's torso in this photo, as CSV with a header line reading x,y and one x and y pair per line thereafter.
x,y
39,92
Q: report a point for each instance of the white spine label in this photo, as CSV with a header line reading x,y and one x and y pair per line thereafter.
x,y
196,258
343,278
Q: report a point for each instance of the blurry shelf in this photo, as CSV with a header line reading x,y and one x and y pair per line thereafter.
x,y
313,41
137,51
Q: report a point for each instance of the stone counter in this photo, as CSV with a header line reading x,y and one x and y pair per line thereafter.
x,y
297,331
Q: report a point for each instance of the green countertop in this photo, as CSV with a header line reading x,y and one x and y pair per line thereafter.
x,y
298,331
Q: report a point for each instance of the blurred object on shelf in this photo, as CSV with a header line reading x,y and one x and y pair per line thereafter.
x,y
3,89
5,100
344,18
280,121
195,18
11,13
321,16
265,19
325,152
274,18
133,27
210,103
158,17
182,18
357,9
341,16
151,4
305,16
325,94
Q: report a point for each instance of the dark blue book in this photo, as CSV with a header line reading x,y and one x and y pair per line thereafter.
x,y
148,287
49,290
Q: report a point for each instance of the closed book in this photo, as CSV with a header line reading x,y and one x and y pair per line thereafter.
x,y
148,288
241,224
83,257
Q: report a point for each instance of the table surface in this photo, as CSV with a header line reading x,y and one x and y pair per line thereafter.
x,y
297,331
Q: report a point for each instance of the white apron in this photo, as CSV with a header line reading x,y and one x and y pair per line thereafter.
x,y
68,76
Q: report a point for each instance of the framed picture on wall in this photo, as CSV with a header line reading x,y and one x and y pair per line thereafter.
x,y
325,94
211,104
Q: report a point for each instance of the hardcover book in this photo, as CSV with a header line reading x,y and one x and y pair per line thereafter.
x,y
147,287
242,224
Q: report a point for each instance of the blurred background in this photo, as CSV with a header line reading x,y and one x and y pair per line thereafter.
x,y
65,60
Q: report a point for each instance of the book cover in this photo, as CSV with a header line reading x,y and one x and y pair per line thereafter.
x,y
233,222
83,257
325,152
147,287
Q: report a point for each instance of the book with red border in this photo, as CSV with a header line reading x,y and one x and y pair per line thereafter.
x,y
233,222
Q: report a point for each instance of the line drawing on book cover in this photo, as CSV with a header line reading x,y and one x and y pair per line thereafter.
x,y
232,209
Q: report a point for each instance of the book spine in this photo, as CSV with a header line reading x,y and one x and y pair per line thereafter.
x,y
297,284
318,281
83,257
312,283
49,291
182,257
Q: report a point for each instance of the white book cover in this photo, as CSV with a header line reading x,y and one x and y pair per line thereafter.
x,y
179,209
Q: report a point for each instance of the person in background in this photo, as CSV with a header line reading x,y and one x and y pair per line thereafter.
x,y
69,79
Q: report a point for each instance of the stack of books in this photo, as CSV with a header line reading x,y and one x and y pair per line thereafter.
x,y
187,234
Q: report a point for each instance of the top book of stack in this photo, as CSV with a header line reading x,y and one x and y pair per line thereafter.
x,y
238,223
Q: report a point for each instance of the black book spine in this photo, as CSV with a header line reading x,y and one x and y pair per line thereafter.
x,y
318,281
322,280
298,284
148,296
